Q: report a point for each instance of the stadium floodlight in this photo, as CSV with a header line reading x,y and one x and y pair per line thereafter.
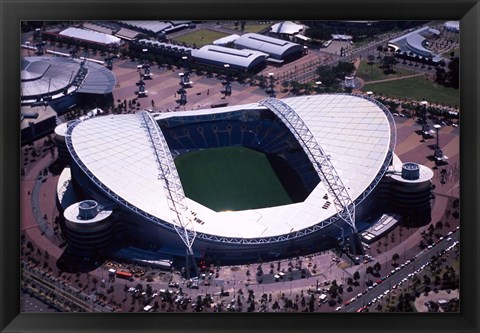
x,y
342,201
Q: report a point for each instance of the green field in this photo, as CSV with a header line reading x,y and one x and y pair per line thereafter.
x,y
373,72
200,37
256,28
416,88
230,178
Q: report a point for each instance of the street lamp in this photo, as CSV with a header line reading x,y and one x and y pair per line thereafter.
x,y
228,86
185,58
271,90
425,126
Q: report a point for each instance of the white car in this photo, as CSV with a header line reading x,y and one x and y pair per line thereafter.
x,y
338,309
449,239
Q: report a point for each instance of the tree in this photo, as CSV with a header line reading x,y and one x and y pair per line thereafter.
x,y
356,275
343,68
318,33
387,63
327,76
395,257
453,73
379,49
242,25
370,270
377,266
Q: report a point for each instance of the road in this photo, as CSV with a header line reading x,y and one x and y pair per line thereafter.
x,y
421,258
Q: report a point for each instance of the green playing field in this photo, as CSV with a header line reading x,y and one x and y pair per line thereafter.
x,y
230,178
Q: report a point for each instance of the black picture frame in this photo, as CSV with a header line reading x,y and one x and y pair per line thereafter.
x,y
13,12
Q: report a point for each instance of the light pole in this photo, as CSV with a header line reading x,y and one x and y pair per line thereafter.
x,y
425,127
271,91
185,64
228,86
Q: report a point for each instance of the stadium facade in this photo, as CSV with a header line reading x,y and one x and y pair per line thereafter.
x,y
340,146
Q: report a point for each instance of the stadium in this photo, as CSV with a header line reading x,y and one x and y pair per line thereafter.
x,y
271,179
61,82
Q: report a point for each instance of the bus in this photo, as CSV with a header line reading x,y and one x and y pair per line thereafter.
x,y
124,275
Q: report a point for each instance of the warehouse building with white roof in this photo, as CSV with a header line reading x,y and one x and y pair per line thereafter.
x,y
91,37
340,145
241,60
277,49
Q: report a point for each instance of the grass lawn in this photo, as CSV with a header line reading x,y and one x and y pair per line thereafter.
x,y
416,88
230,178
251,27
200,37
373,72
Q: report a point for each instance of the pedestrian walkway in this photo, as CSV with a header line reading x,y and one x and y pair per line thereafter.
x,y
394,78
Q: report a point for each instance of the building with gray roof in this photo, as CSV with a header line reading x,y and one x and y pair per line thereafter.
x,y
241,60
278,49
416,43
155,27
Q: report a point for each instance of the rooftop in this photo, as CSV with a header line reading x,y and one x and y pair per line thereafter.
x,y
354,133
90,35
270,45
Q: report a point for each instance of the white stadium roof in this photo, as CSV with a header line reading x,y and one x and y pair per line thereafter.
x,y
91,36
354,132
